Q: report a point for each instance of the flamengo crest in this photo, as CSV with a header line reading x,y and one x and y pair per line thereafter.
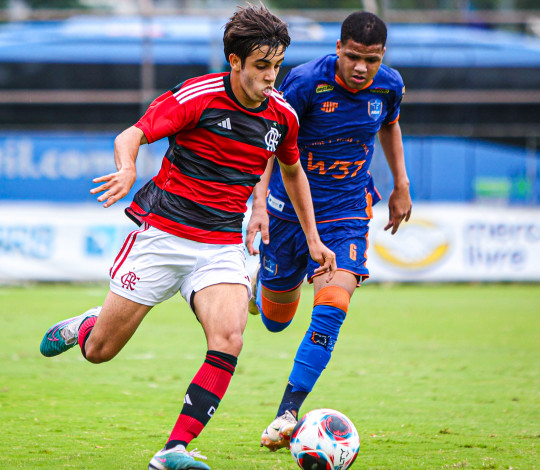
x,y
272,139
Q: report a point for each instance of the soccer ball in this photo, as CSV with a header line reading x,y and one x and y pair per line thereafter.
x,y
324,440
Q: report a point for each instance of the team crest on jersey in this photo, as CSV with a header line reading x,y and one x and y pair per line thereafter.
x,y
329,106
322,87
375,109
271,139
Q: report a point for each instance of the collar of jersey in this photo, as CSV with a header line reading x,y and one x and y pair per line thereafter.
x,y
341,83
230,94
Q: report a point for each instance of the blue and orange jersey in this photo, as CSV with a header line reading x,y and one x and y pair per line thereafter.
x,y
336,139
218,149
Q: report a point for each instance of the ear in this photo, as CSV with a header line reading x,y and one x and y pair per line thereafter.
x,y
236,63
338,47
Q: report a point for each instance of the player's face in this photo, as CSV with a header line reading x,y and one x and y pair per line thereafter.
x,y
357,63
253,83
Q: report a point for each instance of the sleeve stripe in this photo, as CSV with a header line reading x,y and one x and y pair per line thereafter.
x,y
189,96
280,100
197,85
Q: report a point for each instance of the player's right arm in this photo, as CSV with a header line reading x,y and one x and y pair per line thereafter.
x,y
118,184
164,117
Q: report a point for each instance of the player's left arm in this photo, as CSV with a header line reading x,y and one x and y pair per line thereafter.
x,y
399,204
297,187
259,222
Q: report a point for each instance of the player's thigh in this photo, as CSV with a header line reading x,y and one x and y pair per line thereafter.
x,y
222,311
284,259
348,239
118,320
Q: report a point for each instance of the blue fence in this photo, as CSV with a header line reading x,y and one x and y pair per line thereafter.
x,y
60,167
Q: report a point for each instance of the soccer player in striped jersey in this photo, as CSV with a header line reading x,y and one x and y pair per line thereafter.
x,y
222,130
343,101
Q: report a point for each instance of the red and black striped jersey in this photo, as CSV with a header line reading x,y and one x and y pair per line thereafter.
x,y
218,151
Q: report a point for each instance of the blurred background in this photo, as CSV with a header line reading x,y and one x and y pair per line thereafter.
x,y
75,73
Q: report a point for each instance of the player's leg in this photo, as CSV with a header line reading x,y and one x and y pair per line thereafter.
x,y
282,270
218,293
348,239
102,338
103,331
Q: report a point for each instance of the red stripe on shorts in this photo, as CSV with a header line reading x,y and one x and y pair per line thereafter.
x,y
130,240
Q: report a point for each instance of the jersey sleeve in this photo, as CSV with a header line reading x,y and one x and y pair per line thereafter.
x,y
295,91
394,108
288,152
166,116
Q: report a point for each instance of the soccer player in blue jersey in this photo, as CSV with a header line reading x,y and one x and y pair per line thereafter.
x,y
343,102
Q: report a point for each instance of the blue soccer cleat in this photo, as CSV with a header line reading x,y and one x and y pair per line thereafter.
x,y
177,458
64,335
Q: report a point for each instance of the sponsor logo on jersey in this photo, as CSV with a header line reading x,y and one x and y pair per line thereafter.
x,y
329,106
374,109
226,123
322,87
271,139
379,90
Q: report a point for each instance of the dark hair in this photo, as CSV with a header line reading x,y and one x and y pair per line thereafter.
x,y
364,28
251,28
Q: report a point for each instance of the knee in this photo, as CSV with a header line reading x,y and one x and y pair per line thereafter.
x,y
276,316
98,353
274,326
228,342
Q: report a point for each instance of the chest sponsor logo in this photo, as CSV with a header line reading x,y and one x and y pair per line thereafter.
x,y
380,90
322,87
271,139
329,106
374,109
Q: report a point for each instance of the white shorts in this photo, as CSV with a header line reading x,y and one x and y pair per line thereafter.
x,y
154,265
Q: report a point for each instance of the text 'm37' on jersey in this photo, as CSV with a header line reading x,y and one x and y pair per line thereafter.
x,y
336,139
218,151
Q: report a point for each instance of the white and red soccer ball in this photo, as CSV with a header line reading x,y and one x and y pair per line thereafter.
x,y
324,440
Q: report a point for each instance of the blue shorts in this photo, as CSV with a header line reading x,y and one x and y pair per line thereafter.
x,y
285,262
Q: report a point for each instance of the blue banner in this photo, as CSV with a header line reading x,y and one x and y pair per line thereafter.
x,y
60,166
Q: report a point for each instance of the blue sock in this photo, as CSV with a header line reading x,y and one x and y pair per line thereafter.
x,y
316,348
291,401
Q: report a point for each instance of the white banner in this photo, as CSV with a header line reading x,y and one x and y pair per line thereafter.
x,y
54,242
457,243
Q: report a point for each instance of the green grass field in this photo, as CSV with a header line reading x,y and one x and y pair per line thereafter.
x,y
434,377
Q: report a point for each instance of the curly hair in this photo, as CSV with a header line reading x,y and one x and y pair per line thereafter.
x,y
364,28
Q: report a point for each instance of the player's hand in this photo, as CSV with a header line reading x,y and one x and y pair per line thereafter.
x,y
326,258
258,222
400,207
115,186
